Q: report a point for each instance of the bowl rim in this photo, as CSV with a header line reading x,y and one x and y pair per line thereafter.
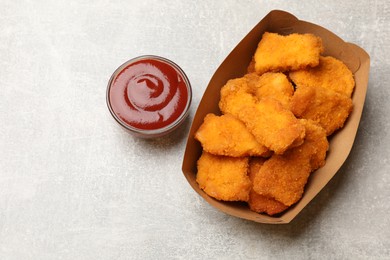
x,y
158,131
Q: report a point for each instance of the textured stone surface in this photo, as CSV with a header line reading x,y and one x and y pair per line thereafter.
x,y
73,185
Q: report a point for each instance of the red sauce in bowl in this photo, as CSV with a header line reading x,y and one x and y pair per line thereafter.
x,y
149,96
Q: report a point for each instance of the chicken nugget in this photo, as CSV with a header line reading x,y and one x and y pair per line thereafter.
x,y
226,135
315,145
235,95
283,177
252,82
331,73
248,89
260,203
224,178
272,125
325,106
278,53
275,85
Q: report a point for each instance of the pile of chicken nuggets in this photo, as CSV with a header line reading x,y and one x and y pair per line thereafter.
x,y
273,129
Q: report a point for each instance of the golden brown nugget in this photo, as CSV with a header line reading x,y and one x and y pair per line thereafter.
x,y
331,73
252,82
275,85
235,95
315,145
272,125
283,177
248,89
252,87
224,178
278,53
226,135
325,106
260,203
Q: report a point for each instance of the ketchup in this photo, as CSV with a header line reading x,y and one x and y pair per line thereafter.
x,y
149,93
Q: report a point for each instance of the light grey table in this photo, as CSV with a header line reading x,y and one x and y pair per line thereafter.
x,y
73,185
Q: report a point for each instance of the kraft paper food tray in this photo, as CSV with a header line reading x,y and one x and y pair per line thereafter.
x,y
235,65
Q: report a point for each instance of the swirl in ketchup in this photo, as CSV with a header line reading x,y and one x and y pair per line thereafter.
x,y
149,93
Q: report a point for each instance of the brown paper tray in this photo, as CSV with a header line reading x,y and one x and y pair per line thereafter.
x,y
235,65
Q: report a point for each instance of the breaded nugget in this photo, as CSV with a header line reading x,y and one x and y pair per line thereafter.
x,y
235,95
278,53
260,203
331,73
251,87
252,82
325,106
226,135
275,85
224,178
283,177
315,145
272,125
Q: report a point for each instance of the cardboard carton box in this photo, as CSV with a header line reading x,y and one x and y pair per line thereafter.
x,y
235,65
